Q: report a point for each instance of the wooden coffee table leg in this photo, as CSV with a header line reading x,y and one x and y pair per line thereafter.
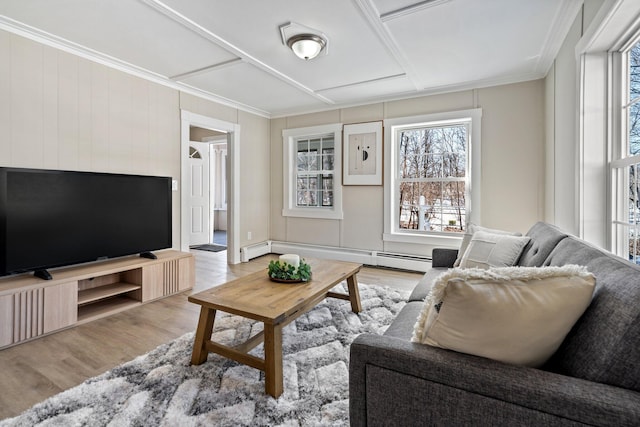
x,y
203,334
354,294
273,359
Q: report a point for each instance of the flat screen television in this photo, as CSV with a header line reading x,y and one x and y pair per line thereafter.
x,y
51,218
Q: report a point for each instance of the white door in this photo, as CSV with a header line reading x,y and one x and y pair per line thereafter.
x,y
199,193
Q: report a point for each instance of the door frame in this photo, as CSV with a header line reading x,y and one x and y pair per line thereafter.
x,y
232,130
213,142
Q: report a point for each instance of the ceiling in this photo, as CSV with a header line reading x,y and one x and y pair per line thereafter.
x,y
232,52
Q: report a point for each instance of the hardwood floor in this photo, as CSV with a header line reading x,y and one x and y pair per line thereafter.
x,y
35,370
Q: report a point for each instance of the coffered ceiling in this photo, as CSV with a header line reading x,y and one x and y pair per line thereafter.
x,y
233,52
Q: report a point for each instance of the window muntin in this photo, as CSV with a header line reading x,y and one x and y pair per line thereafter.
x,y
432,175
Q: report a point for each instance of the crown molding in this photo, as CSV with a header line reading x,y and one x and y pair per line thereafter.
x,y
558,31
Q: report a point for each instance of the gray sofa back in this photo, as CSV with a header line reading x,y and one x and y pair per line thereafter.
x,y
604,345
544,238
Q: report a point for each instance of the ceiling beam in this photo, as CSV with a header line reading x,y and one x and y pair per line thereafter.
x,y
412,8
371,14
206,69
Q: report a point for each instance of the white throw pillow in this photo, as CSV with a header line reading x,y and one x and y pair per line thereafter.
x,y
472,228
487,250
517,315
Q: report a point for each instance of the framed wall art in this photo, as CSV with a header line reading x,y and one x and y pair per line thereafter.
x,y
362,154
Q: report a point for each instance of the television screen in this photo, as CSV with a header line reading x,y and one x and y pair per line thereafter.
x,y
54,218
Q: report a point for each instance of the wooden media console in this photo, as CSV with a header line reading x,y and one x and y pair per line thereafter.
x,y
31,307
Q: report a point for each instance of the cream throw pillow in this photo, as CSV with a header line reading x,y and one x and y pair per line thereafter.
x,y
472,228
493,250
517,315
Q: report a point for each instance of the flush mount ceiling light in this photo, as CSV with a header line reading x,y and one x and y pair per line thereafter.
x,y
306,46
307,43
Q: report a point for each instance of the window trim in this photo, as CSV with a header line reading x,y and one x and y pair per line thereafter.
x,y
600,64
391,234
289,156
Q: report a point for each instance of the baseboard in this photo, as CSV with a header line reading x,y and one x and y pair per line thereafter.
x,y
374,258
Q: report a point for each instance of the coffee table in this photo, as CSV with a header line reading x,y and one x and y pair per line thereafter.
x,y
256,297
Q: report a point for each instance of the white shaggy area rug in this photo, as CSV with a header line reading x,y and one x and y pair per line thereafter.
x,y
161,388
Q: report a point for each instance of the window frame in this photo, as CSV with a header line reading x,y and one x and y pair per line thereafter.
x,y
621,159
598,53
289,161
392,232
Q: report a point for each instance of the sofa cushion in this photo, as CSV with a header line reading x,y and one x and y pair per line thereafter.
x,y
544,237
421,290
466,239
487,250
603,344
402,325
516,315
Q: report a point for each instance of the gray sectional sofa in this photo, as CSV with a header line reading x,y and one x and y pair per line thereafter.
x,y
592,379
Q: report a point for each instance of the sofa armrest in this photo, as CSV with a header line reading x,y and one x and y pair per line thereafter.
x,y
390,378
441,257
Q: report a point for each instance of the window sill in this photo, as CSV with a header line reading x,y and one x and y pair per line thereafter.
x,y
313,213
443,240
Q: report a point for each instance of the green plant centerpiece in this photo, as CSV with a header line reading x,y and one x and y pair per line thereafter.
x,y
281,271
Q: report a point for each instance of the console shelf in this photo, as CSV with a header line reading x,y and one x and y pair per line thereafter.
x,y
105,307
95,294
31,307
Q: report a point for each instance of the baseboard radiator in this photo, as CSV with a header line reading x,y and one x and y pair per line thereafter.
x,y
404,261
374,258
253,251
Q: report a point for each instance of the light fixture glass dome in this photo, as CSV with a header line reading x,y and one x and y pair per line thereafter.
x,y
306,46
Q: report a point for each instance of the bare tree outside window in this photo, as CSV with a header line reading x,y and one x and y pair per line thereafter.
x,y
432,178
634,100
634,149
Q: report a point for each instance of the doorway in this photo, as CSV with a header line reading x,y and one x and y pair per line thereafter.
x,y
207,198
209,204
218,162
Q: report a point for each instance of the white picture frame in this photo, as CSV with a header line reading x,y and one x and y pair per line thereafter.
x,y
362,154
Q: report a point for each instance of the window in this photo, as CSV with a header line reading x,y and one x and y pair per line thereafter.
x,y
433,161
314,171
312,165
626,164
432,177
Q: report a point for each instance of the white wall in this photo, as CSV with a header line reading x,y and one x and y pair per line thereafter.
x,y
565,147
512,167
60,111
562,132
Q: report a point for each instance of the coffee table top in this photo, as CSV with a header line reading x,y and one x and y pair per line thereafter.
x,y
255,296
